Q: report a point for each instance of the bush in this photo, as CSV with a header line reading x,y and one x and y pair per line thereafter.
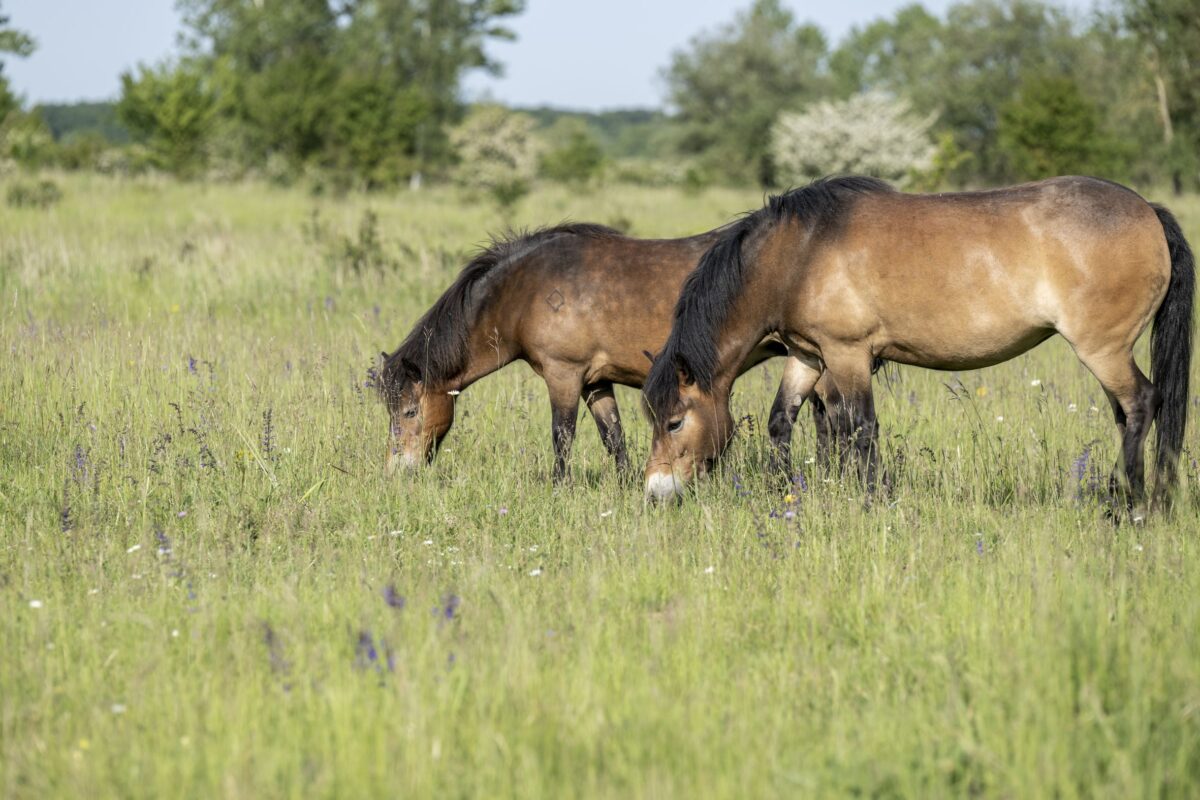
x,y
498,154
42,194
869,134
573,155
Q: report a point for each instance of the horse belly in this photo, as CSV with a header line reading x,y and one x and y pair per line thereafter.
x,y
964,349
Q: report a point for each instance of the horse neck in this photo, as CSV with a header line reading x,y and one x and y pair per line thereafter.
x,y
756,313
489,347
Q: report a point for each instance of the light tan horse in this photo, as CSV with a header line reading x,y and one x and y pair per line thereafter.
x,y
847,270
583,306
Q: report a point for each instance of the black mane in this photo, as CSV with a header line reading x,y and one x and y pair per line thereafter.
x,y
713,288
436,349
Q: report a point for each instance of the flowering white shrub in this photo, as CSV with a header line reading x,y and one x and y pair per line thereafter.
x,y
868,134
498,152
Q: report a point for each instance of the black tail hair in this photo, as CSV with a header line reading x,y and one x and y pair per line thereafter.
x,y
1171,352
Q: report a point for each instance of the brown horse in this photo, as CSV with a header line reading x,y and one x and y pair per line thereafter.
x,y
582,304
846,270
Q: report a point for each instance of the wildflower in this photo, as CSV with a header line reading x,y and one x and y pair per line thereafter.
x,y
789,515
1080,465
429,541
392,597
789,498
1072,408
604,514
133,549
35,603
999,419
365,652
710,570
175,633
533,573
979,545
503,511
982,391
1035,382
449,606
118,708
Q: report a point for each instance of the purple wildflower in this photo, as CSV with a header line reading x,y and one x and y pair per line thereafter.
x,y
393,598
191,364
449,607
365,652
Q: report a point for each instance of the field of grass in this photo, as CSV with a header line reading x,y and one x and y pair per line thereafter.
x,y
209,588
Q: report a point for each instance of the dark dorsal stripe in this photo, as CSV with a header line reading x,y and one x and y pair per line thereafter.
x,y
437,347
711,291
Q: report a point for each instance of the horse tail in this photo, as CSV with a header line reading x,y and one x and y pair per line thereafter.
x,y
1171,352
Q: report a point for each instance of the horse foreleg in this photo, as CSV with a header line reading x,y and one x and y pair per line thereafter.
x,y
798,382
851,406
564,408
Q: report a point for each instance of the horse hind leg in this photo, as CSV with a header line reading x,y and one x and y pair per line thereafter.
x,y
1135,403
602,402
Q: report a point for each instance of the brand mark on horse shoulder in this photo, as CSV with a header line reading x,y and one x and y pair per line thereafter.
x,y
555,300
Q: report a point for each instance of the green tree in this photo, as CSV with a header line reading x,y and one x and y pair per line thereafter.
x,y
1050,128
426,46
17,43
171,108
727,88
966,67
1169,31
366,87
572,155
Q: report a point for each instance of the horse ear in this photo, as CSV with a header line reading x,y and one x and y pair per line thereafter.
x,y
683,371
649,356
410,369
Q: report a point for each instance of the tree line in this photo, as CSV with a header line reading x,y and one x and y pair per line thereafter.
x,y
367,93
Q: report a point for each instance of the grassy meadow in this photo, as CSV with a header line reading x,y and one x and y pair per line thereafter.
x,y
209,588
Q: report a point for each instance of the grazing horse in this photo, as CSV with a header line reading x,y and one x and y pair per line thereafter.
x,y
847,270
582,304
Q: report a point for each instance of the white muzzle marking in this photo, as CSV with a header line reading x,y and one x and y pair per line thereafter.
x,y
662,486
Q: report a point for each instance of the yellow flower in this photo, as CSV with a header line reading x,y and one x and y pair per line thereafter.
x,y
789,498
981,391
84,744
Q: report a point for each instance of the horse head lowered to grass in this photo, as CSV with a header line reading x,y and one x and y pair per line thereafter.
x,y
847,270
583,305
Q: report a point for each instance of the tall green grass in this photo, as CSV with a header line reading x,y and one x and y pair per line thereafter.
x,y
208,588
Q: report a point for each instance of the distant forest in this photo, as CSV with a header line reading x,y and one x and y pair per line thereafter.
x,y
622,133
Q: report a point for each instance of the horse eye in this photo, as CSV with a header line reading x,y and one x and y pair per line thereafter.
x,y
412,412
675,425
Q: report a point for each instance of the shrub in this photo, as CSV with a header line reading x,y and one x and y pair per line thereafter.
x,y
42,194
870,134
498,154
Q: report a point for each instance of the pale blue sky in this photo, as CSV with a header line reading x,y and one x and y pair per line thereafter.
x,y
586,54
